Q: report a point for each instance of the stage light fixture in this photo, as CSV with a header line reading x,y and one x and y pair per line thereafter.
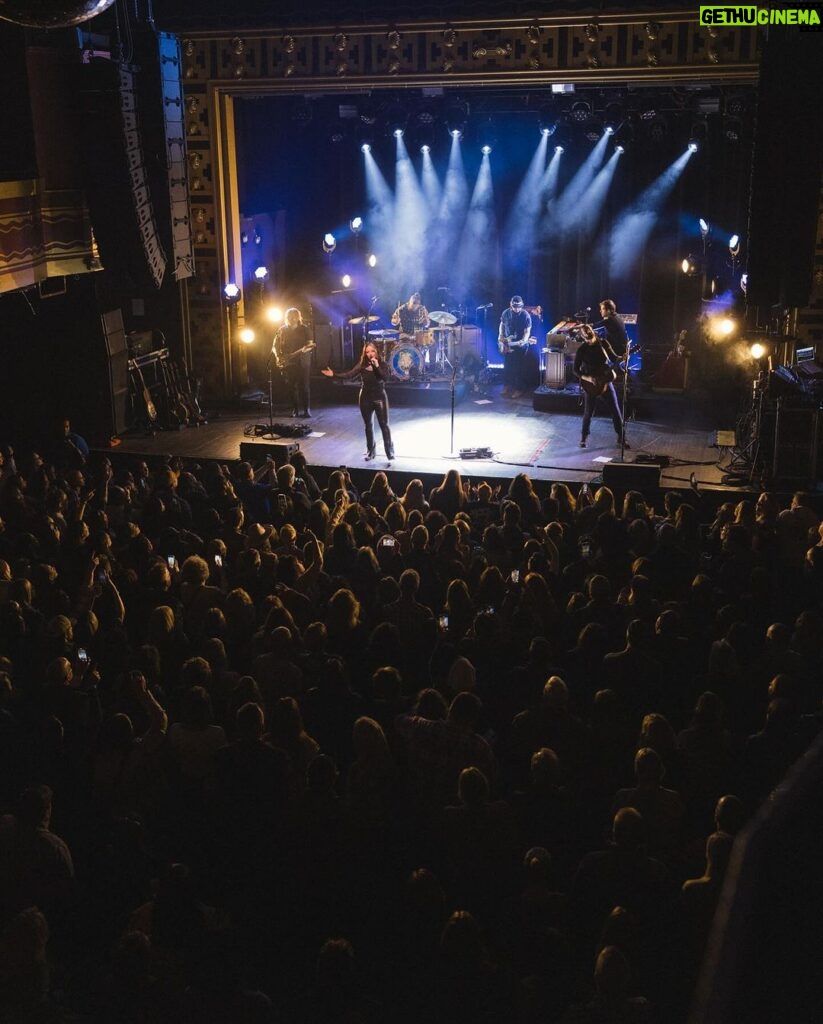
x,y
425,148
260,273
372,260
623,138
594,129
258,238
547,119
395,118
704,227
345,280
562,138
356,225
329,242
698,135
757,350
231,293
457,116
365,147
244,237
369,113
487,137
580,111
612,118
274,314
734,245
725,327
246,335
690,266
744,283
337,132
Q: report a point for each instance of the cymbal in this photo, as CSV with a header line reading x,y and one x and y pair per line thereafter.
x,y
440,316
383,334
363,319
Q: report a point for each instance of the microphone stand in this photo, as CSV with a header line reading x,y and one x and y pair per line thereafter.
x,y
625,392
451,454
263,432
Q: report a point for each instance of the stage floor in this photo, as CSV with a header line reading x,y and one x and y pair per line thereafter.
x,y
543,444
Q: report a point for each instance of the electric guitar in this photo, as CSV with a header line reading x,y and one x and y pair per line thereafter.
x,y
148,405
507,344
596,383
285,361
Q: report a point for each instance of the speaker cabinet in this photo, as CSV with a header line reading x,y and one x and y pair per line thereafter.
x,y
255,452
116,350
555,370
631,476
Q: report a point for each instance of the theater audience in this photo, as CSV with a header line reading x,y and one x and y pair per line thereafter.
x,y
273,732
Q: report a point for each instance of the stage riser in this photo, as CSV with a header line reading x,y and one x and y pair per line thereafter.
x,y
685,409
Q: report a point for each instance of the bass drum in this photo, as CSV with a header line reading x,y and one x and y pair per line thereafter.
x,y
406,362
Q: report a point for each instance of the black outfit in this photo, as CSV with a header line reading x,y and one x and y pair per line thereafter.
x,y
591,359
296,368
616,334
517,324
373,400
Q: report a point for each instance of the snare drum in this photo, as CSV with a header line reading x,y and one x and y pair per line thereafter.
x,y
406,362
424,339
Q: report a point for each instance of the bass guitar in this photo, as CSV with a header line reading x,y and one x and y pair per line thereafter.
x,y
285,361
508,344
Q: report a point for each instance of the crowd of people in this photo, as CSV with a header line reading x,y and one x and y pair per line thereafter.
x,y
272,749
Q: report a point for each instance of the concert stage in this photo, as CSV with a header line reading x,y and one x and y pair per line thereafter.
x,y
523,439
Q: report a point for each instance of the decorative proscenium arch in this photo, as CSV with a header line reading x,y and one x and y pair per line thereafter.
x,y
616,49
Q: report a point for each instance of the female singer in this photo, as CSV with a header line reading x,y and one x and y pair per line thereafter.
x,y
373,372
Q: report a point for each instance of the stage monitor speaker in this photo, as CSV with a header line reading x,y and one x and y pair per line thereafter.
x,y
631,476
255,452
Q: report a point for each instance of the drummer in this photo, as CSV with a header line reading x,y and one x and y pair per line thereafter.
x,y
410,316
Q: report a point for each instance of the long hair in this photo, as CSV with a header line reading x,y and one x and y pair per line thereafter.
x,y
363,361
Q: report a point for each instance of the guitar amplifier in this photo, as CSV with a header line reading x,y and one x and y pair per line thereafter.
x,y
555,375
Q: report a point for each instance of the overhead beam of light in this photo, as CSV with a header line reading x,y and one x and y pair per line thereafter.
x,y
567,208
592,202
632,230
411,221
451,215
479,234
380,214
525,211
432,189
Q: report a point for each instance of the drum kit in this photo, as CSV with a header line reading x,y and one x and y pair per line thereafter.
x,y
407,360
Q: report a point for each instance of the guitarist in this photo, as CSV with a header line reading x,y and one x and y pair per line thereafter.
x,y
591,367
292,348
513,342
